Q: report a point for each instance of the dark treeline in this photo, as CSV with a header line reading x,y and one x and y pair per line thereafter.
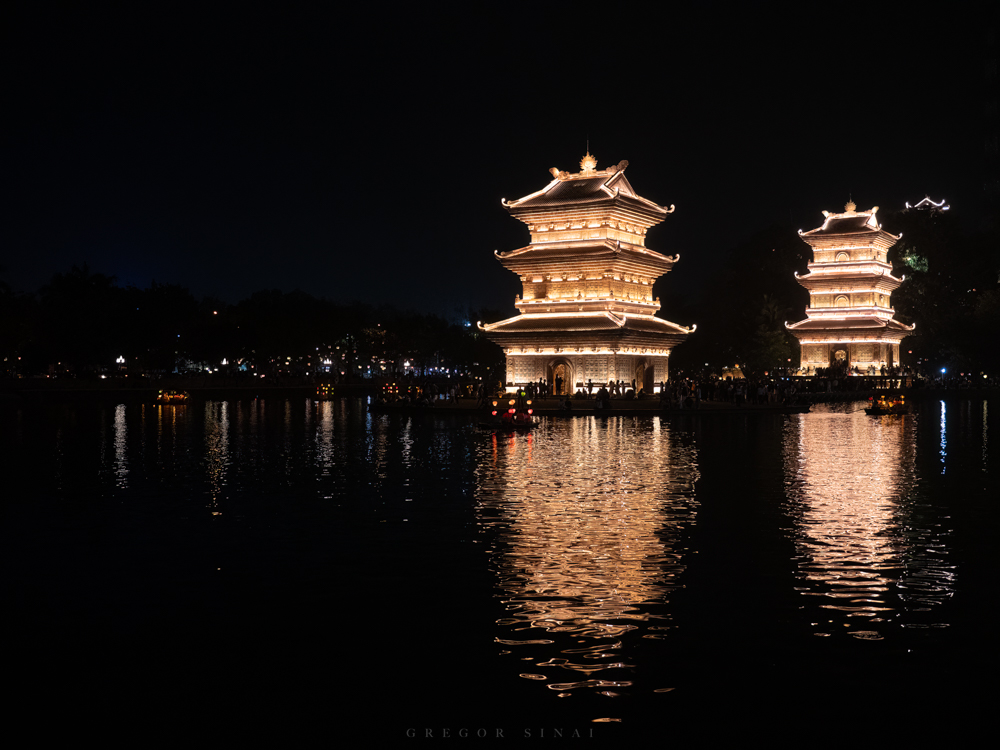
x,y
82,324
951,292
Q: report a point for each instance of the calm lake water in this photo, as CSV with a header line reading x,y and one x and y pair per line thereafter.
x,y
295,566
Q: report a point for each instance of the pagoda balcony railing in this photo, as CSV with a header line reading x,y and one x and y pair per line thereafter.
x,y
587,301
845,313
851,267
888,338
840,288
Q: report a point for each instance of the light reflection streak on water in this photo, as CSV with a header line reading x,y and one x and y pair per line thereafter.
x,y
944,440
585,518
288,433
121,447
867,543
216,450
324,437
406,443
166,426
377,435
986,453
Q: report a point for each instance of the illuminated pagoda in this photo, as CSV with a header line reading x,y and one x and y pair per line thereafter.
x,y
587,309
849,320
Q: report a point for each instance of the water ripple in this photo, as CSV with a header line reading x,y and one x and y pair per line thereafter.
x,y
585,520
865,546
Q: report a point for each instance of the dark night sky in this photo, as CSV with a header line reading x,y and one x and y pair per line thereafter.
x,y
363,155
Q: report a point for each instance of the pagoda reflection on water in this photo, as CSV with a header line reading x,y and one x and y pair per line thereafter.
x,y
849,322
586,313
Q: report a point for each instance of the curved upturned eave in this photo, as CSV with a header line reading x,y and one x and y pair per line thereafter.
x,y
613,246
512,253
565,321
820,324
516,202
819,237
839,275
610,197
666,211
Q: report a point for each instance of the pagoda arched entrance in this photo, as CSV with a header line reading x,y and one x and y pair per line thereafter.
x,y
840,356
560,373
644,375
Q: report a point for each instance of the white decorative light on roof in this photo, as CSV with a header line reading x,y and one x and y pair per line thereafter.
x,y
928,204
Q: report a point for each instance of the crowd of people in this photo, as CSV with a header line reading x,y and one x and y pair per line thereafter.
x,y
678,393
684,392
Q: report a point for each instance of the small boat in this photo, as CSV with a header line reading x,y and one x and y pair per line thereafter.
x,y
172,397
517,417
887,405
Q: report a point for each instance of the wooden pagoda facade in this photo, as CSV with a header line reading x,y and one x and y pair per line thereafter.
x,y
849,321
587,312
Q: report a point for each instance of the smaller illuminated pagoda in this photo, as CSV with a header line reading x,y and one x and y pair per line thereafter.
x,y
587,307
849,319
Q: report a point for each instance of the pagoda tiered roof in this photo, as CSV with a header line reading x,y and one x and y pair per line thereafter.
x,y
861,276
887,325
587,225
600,329
850,228
588,186
846,223
587,257
596,321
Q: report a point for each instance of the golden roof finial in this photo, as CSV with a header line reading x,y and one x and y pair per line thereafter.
x,y
588,164
850,207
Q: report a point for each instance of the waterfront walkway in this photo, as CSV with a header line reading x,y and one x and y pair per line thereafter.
x,y
550,406
15,391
